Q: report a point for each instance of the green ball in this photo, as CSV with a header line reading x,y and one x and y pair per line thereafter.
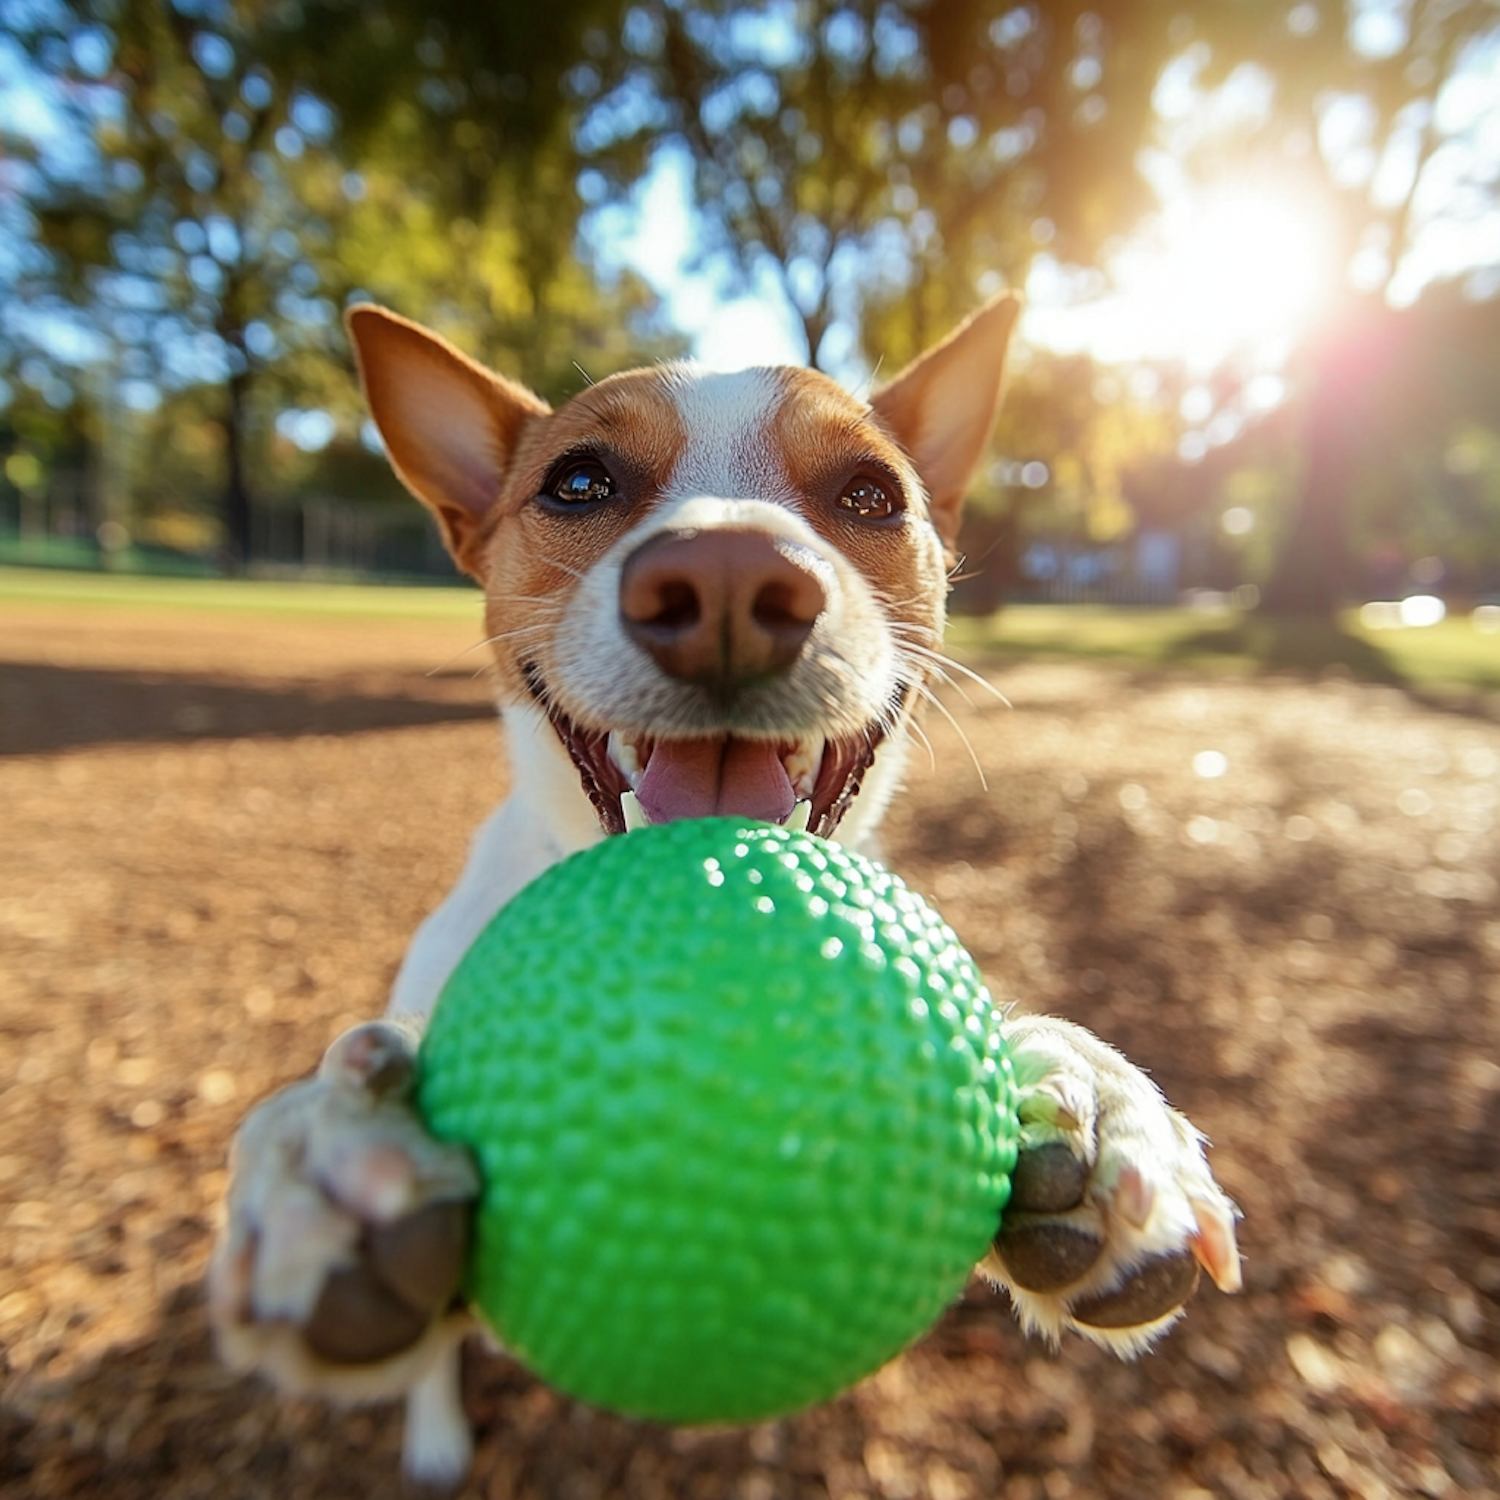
x,y
742,1113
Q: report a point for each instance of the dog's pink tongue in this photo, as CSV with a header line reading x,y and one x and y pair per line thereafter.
x,y
704,778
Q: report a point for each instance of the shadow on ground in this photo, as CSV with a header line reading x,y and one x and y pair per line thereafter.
x,y
1309,647
49,708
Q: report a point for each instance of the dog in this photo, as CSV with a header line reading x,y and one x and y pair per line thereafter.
x,y
705,594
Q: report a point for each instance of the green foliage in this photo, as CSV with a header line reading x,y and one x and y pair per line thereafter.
x,y
231,174
886,160
238,172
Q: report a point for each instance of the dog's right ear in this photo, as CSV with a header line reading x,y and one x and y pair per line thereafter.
x,y
449,425
942,406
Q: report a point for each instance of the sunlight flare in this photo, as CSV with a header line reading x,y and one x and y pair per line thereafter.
x,y
1241,270
1248,268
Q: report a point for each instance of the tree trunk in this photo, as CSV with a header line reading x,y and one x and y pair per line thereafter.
x,y
1314,572
236,487
231,330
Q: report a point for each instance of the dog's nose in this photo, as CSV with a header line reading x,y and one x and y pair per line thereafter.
x,y
721,607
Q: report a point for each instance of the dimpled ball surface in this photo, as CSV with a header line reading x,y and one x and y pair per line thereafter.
x,y
742,1114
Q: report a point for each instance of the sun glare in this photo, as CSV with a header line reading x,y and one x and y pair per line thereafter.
x,y
1249,269
1241,270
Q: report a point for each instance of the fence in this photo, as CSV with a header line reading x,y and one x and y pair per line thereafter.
x,y
324,535
59,524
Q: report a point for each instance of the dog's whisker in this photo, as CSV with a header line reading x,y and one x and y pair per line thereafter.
x,y
892,605
542,601
941,661
921,734
459,656
939,705
921,627
918,631
921,671
536,627
456,657
489,640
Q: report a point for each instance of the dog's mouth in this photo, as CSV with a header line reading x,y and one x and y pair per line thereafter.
x,y
637,779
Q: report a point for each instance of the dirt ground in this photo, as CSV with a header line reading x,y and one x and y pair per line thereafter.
x,y
1282,897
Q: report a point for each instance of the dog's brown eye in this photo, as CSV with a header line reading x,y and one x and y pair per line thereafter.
x,y
870,499
580,481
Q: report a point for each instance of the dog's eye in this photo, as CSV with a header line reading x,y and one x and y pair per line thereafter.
x,y
870,499
579,482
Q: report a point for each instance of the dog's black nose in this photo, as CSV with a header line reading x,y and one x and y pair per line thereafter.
x,y
721,607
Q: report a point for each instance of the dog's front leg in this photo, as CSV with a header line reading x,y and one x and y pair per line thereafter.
x,y
347,1224
1113,1207
347,1230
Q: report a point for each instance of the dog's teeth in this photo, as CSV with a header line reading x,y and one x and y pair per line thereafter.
x,y
635,814
625,756
796,820
802,766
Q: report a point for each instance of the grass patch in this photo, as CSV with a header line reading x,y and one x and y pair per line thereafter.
x,y
1146,637
1452,654
353,601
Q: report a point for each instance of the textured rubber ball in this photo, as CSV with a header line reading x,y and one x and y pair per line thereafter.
x,y
742,1113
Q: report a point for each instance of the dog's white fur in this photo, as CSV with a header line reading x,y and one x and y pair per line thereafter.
x,y
315,1162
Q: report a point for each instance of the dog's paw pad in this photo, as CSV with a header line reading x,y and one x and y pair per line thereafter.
x,y
1048,1179
1155,1289
408,1273
359,1320
1046,1255
421,1257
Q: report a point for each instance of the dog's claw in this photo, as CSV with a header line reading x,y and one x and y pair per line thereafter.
x,y
1113,1208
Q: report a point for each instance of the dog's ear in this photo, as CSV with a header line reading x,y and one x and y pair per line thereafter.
x,y
942,406
449,425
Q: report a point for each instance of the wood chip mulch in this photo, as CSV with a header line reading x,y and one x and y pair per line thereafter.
x,y
1280,896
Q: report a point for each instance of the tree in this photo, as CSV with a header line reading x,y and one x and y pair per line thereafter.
x,y
1358,103
460,118
882,160
187,233
885,162
238,172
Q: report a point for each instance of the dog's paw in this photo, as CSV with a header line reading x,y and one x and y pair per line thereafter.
x,y
1113,1209
347,1228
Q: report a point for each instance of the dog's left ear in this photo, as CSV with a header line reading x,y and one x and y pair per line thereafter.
x,y
942,406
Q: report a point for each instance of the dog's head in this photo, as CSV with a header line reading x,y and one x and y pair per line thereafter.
x,y
705,593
